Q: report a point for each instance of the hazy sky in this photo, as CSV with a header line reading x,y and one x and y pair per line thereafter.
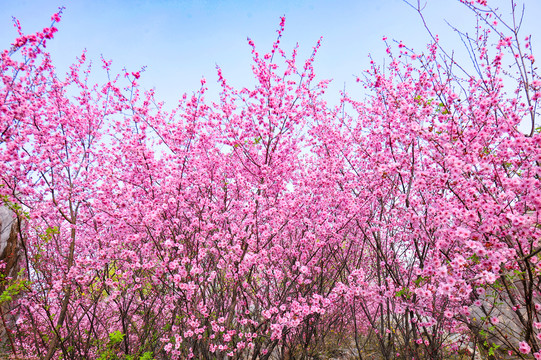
x,y
182,40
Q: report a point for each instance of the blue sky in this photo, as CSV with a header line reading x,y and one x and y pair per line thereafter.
x,y
182,40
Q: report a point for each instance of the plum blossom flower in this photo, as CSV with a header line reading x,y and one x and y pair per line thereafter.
x,y
442,271
462,233
445,289
490,278
480,291
524,347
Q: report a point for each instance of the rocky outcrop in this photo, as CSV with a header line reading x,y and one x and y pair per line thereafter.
x,y
9,244
10,253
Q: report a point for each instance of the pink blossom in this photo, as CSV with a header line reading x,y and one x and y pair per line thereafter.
x,y
524,347
480,291
267,208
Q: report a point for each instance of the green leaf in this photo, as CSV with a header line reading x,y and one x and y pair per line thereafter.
x,y
146,356
116,336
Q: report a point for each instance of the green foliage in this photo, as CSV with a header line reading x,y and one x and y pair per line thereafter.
x,y
13,287
492,349
405,292
147,356
440,108
475,259
111,349
115,337
256,141
16,208
46,236
421,280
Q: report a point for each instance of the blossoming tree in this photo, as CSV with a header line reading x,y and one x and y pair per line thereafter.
x,y
268,225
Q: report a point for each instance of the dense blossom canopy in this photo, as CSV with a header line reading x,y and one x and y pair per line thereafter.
x,y
268,224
